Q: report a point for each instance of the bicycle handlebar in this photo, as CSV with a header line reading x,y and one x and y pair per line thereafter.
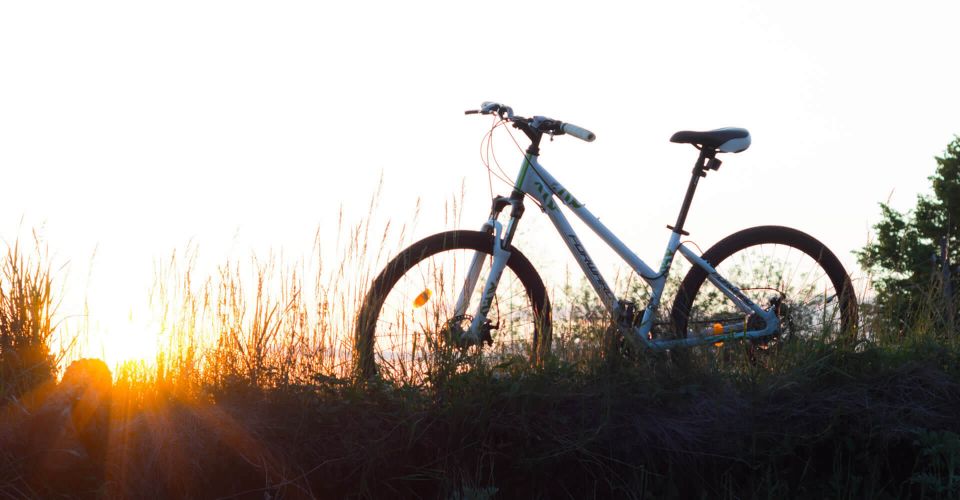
x,y
538,123
578,132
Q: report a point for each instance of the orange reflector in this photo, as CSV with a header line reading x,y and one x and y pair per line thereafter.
x,y
717,330
422,299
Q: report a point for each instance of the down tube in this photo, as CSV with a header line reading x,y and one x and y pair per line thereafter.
x,y
586,263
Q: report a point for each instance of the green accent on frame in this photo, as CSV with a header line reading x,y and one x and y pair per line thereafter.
x,y
523,172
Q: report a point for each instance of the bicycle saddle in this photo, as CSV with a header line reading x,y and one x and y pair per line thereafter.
x,y
724,140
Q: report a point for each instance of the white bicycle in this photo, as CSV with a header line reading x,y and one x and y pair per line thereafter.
x,y
474,289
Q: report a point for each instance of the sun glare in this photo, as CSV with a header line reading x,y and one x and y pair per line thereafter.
x,y
121,338
120,346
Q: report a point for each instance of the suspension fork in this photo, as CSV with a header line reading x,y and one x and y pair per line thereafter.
x,y
502,238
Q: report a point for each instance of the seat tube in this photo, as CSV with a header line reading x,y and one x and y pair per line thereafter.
x,y
698,172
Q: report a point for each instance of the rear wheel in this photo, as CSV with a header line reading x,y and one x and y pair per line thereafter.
x,y
778,268
408,326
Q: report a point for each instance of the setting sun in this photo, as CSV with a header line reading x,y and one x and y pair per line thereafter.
x,y
119,338
120,346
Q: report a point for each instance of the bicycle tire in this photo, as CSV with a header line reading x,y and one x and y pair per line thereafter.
x,y
692,302
374,322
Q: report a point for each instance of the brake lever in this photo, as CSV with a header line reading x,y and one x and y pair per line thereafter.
x,y
490,108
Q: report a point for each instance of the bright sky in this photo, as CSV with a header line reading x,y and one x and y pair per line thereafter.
x,y
130,129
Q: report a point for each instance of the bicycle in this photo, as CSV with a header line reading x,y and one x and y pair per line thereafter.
x,y
428,295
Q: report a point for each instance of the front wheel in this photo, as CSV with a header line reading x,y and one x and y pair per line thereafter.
x,y
408,322
778,268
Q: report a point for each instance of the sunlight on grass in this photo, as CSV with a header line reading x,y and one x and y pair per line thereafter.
x,y
238,381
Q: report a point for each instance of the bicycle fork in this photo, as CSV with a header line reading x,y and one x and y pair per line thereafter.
x,y
480,325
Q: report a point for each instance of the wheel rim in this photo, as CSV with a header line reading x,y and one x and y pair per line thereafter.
x,y
417,330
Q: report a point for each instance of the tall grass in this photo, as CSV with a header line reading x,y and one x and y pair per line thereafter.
x,y
252,395
266,322
27,324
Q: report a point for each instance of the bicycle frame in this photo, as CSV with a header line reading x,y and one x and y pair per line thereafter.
x,y
534,180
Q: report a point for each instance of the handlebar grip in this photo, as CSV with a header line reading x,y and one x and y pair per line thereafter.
x,y
578,132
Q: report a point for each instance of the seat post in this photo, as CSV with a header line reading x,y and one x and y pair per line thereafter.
x,y
707,156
